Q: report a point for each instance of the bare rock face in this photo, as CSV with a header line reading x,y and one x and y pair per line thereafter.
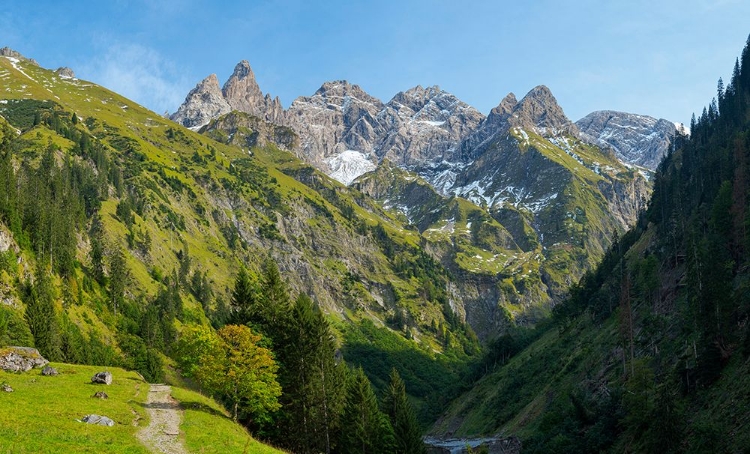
x,y
636,139
8,52
428,126
202,104
20,359
539,111
416,129
242,93
65,73
340,116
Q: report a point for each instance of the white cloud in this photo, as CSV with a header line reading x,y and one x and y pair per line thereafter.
x,y
139,73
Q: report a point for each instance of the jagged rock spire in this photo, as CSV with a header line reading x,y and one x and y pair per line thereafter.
x,y
202,104
539,110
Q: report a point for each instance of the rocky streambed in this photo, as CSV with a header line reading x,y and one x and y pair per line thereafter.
x,y
489,445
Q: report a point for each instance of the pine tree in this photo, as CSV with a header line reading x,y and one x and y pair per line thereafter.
x,y
367,430
407,436
118,274
274,295
313,381
41,316
245,305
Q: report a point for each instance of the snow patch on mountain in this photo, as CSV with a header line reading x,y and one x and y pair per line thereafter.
x,y
348,165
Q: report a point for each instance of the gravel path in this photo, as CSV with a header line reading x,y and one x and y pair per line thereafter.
x,y
162,433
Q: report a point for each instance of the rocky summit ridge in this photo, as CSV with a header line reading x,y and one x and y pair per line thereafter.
x,y
424,129
636,139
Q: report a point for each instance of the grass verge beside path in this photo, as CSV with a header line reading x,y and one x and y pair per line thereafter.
x,y
208,429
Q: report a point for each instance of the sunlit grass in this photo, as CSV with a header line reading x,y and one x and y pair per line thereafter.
x,y
40,415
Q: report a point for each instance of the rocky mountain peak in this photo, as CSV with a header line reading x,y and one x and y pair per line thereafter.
x,y
342,89
8,52
202,104
241,90
503,110
635,139
539,110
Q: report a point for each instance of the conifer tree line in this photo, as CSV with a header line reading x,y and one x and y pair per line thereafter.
x,y
49,200
681,304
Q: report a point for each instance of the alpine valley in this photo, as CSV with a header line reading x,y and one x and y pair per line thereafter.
x,y
515,206
347,274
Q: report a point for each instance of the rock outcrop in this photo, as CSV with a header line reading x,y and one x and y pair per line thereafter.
x,y
8,52
20,359
636,139
65,73
242,93
204,103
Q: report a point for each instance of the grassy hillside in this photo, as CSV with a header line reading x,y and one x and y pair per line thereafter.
x,y
156,220
40,415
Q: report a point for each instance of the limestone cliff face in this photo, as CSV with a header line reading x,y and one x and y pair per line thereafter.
x,y
204,103
242,93
636,139
340,116
426,127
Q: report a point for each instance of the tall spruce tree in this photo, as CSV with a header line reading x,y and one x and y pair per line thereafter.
x,y
274,295
312,379
407,436
245,304
41,316
366,429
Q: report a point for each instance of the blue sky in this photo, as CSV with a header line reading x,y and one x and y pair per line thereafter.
x,y
659,58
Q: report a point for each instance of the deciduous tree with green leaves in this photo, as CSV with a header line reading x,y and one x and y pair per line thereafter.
x,y
232,365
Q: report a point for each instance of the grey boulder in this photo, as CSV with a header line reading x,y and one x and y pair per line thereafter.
x,y
98,420
49,371
104,378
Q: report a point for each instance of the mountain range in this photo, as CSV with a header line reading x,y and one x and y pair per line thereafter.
x,y
553,285
552,195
